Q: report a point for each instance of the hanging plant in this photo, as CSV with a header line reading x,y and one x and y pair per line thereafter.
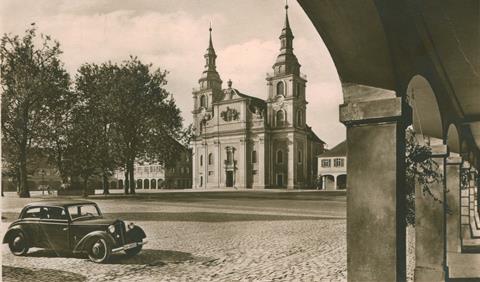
x,y
420,168
464,178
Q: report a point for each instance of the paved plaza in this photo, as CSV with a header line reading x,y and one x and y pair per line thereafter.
x,y
209,236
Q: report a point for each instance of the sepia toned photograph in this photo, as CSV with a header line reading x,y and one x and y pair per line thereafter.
x,y
241,140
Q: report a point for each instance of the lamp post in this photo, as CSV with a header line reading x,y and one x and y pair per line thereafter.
x,y
42,174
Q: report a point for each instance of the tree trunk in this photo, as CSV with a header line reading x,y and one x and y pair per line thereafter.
x,y
23,191
126,183
85,187
105,184
132,177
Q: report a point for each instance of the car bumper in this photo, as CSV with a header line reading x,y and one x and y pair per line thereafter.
x,y
129,246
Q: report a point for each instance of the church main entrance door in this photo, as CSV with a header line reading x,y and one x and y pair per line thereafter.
x,y
229,180
280,180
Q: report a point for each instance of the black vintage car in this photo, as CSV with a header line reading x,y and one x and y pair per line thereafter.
x,y
72,227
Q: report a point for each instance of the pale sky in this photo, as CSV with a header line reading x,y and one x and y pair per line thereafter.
x,y
173,35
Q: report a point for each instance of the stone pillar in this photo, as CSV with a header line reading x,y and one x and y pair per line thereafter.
x,y
453,202
375,120
464,202
430,254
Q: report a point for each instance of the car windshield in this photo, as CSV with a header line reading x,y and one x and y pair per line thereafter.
x,y
83,211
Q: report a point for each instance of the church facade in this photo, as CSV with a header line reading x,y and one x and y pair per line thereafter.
x,y
242,141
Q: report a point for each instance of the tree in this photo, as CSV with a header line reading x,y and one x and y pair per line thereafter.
x,y
32,79
96,85
145,117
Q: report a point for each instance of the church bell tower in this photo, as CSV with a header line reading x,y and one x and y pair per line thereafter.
x,y
286,86
209,91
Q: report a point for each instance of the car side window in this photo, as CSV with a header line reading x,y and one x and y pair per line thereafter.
x,y
55,213
33,212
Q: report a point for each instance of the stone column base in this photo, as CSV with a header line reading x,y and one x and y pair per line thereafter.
x,y
428,274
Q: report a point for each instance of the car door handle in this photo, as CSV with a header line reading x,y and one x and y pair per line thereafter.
x,y
65,229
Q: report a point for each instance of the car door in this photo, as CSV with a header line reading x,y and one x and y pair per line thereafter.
x,y
55,228
30,224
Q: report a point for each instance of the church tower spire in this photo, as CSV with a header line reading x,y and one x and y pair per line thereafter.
x,y
286,62
210,77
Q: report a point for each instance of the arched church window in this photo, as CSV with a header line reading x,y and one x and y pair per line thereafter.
x,y
201,160
254,156
210,159
300,157
280,118
280,88
229,156
298,92
203,101
279,156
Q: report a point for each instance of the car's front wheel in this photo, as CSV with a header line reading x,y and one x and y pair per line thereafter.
x,y
99,250
133,251
18,244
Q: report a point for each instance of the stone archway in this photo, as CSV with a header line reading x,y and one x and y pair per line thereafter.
x,y
341,182
427,124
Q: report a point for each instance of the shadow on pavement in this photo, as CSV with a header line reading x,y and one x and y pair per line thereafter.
x,y
10,273
195,216
145,257
155,258
208,216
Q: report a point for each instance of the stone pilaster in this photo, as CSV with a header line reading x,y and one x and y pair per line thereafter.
x,y
218,163
241,180
194,166
375,120
261,161
430,264
291,162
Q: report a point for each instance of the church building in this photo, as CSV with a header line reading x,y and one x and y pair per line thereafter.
x,y
242,141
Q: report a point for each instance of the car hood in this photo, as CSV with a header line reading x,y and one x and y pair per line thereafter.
x,y
96,221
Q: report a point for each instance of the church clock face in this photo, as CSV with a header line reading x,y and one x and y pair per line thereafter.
x,y
279,99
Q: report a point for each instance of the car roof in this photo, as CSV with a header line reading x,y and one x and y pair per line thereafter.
x,y
59,203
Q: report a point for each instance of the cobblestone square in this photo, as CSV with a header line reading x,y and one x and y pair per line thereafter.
x,y
208,237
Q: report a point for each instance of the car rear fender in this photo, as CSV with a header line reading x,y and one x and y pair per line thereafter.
x,y
83,244
13,230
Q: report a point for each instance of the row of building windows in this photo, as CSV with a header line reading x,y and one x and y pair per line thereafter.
x,y
254,157
337,162
182,170
151,168
281,118
281,89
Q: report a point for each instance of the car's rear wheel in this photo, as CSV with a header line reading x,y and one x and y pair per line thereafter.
x,y
99,250
18,244
133,251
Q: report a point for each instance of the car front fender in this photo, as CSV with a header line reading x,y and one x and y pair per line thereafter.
x,y
12,230
136,234
82,244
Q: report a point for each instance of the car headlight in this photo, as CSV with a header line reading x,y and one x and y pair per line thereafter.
x,y
111,229
131,225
